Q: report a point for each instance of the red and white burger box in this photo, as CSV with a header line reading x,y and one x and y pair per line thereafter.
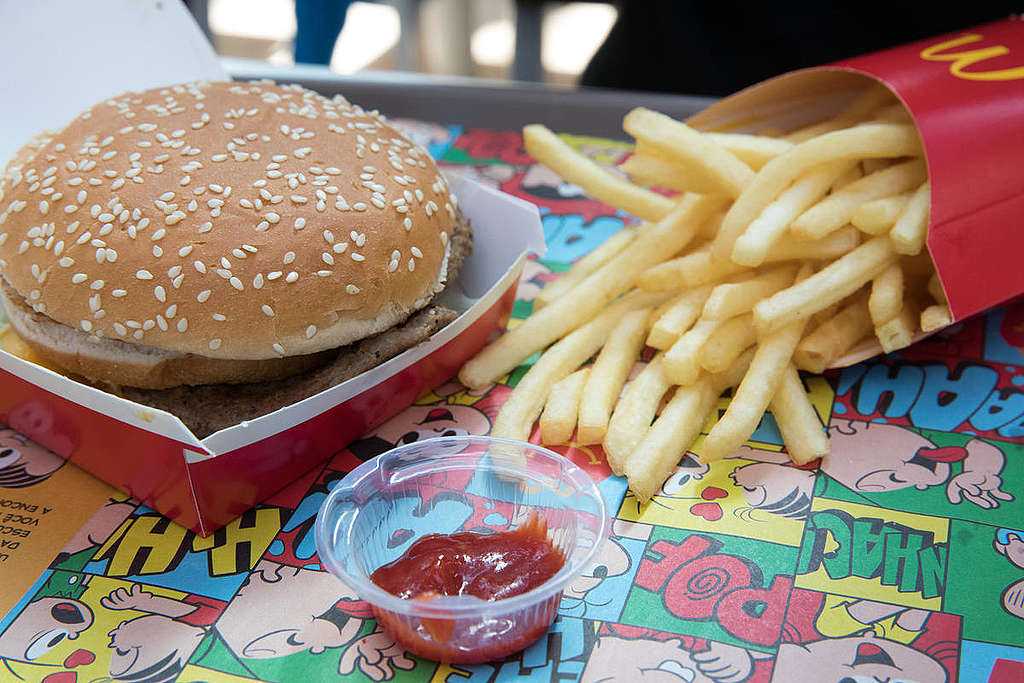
x,y
150,454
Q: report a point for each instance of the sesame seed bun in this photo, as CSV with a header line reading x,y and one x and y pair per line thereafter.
x,y
225,221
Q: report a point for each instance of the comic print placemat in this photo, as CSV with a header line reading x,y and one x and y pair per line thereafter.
x,y
902,559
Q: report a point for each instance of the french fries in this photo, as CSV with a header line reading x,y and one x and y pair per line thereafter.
x,y
782,254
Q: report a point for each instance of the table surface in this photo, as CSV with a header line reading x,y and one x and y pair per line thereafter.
x,y
902,555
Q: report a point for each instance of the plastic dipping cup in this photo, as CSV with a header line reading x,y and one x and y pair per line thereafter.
x,y
447,485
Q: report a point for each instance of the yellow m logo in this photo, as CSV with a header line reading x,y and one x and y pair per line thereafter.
x,y
962,60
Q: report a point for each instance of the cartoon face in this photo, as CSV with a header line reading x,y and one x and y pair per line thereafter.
x,y
42,625
542,182
150,645
277,612
428,422
612,560
23,462
873,457
690,469
857,659
775,488
617,660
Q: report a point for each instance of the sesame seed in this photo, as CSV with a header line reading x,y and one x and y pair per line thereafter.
x,y
161,322
358,257
219,317
200,266
351,289
174,218
327,258
274,274
310,331
268,310
272,217
278,348
182,324
236,283
171,311
262,226
257,281
340,247
119,293
407,223
416,252
202,296
206,227
144,275
291,277
215,344
393,266
120,329
66,262
160,294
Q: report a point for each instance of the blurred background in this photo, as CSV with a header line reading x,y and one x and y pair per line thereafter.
x,y
498,39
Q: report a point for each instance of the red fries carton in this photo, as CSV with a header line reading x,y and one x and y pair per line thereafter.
x,y
965,92
204,483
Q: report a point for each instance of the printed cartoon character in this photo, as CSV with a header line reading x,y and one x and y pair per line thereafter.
x,y
455,417
863,657
1009,544
611,561
42,625
872,457
156,646
619,659
776,488
535,276
78,551
23,462
282,610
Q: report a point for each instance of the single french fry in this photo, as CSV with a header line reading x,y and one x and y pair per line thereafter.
x,y
911,227
584,267
859,109
690,147
584,301
682,361
859,142
732,298
524,404
834,337
753,150
935,289
886,300
935,317
547,148
798,421
677,318
830,285
752,246
730,340
838,208
697,268
898,333
829,247
772,357
558,421
650,170
656,455
877,216
608,375
634,413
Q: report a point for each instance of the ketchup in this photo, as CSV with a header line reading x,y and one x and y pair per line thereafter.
x,y
486,566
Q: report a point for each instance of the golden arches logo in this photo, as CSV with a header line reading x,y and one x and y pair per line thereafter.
x,y
964,59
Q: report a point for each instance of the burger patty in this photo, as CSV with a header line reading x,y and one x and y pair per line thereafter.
x,y
208,408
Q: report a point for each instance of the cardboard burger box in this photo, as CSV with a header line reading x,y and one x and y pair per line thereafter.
x,y
965,92
204,483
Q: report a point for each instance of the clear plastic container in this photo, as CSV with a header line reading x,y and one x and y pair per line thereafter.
x,y
448,485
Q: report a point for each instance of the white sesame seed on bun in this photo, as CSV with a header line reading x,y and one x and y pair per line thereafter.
x,y
227,221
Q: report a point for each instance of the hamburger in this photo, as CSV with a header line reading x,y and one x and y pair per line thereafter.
x,y
221,250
